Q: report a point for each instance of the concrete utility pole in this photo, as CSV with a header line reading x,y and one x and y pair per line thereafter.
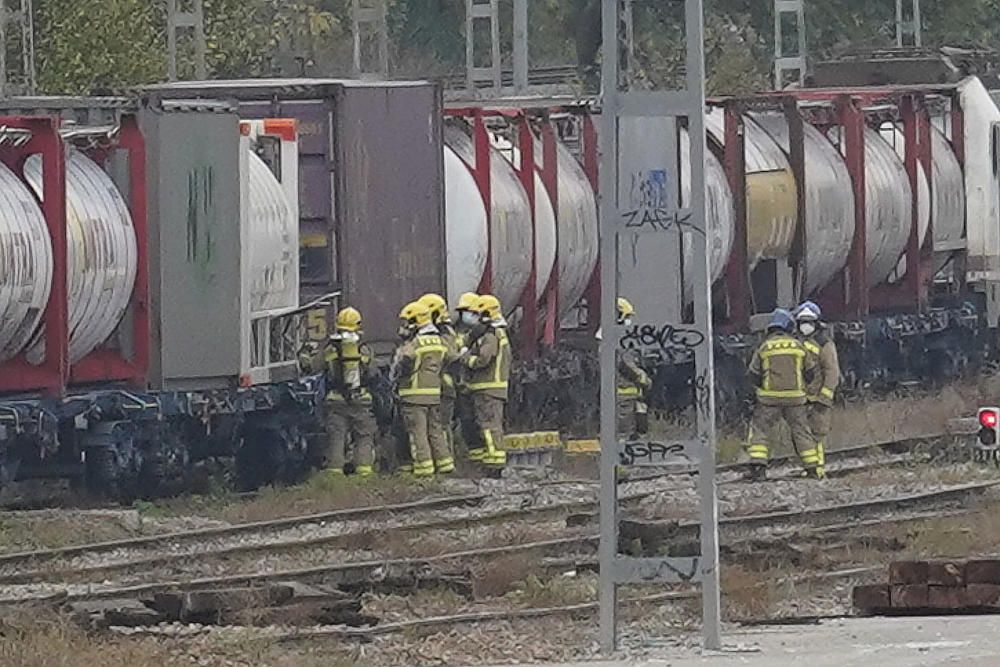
x,y
793,60
17,75
189,18
654,245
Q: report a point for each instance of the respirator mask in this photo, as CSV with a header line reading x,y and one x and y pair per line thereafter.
x,y
807,328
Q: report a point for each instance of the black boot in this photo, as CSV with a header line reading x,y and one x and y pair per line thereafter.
x,y
757,473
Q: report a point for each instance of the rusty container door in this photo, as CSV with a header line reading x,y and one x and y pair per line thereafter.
x,y
389,182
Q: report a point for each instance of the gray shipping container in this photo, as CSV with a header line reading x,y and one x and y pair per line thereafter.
x,y
371,184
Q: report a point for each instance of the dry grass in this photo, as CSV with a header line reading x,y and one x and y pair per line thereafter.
x,y
534,592
42,639
27,534
746,594
500,576
320,494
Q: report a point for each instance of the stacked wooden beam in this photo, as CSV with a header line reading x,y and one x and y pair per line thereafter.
x,y
932,587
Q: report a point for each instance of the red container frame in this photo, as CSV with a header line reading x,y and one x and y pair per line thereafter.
x,y
54,374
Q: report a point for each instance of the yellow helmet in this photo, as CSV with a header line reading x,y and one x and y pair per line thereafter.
x,y
467,301
349,319
488,306
415,314
625,308
437,305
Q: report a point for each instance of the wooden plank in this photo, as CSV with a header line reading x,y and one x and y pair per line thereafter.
x,y
946,573
982,596
908,572
870,598
946,597
982,572
908,596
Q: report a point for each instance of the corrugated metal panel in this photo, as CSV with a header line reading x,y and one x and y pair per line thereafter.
x,y
772,200
829,196
390,203
510,221
194,248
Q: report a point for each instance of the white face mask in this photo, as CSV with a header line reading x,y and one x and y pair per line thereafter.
x,y
469,319
807,328
627,322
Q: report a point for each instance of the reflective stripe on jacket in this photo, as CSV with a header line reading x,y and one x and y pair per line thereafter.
x,y
780,366
632,380
419,362
488,363
824,386
347,366
452,371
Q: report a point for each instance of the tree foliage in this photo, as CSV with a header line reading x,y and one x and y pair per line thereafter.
x,y
87,45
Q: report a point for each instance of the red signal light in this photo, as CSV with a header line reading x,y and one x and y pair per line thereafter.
x,y
989,419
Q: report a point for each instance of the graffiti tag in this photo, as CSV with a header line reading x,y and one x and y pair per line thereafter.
x,y
665,337
652,454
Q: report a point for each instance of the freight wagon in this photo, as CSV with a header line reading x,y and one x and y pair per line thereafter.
x,y
880,203
150,293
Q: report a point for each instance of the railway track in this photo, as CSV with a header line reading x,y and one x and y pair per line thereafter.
x,y
170,549
582,609
362,571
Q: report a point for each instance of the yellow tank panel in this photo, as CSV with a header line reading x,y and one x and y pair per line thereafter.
x,y
772,212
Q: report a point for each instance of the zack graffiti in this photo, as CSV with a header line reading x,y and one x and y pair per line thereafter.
x,y
647,204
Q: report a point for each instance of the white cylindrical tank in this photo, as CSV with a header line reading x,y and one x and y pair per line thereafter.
x,y
25,264
893,135
101,257
545,219
829,200
888,206
719,219
510,221
465,227
948,196
274,255
576,228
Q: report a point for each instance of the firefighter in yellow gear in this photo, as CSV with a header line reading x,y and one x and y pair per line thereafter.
x,y
416,369
451,367
781,369
346,362
822,390
466,327
487,363
633,383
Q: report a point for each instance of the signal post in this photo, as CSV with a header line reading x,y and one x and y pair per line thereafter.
x,y
654,251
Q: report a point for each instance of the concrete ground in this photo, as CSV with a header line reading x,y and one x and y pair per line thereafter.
x,y
969,641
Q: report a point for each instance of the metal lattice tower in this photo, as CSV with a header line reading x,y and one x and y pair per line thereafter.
x,y
17,48
485,14
908,29
654,235
792,60
369,23
186,16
